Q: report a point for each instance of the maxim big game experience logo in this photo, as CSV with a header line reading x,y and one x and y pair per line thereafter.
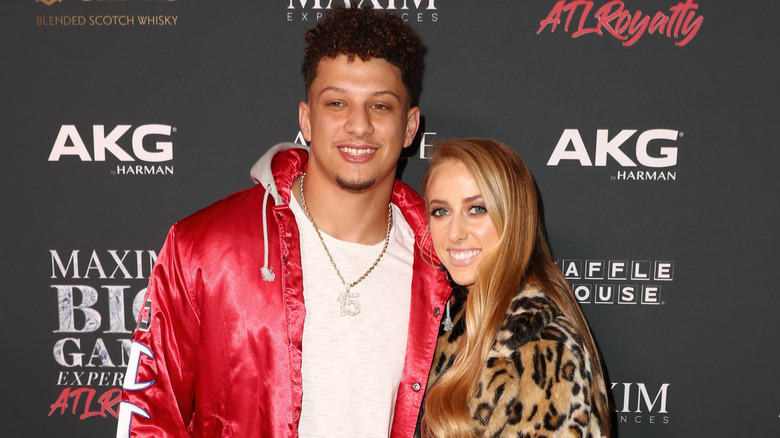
x,y
99,296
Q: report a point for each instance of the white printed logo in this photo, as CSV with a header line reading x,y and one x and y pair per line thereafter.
x,y
70,142
606,147
618,281
376,4
636,403
418,11
131,382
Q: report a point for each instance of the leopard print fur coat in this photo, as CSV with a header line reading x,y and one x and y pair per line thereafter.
x,y
536,378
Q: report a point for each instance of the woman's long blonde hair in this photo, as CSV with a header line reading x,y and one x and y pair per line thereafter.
x,y
521,256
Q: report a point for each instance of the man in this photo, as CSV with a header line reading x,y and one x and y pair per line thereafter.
x,y
308,304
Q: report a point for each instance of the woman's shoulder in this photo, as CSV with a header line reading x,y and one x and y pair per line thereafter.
x,y
534,317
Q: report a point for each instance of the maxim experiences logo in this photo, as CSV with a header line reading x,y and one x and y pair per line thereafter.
x,y
418,11
640,403
376,4
146,143
651,149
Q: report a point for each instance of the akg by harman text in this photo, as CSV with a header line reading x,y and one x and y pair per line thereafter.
x,y
147,143
652,150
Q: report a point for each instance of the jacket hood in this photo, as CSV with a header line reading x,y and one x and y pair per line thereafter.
x,y
262,172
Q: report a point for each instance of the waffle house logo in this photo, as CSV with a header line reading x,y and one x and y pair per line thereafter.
x,y
618,281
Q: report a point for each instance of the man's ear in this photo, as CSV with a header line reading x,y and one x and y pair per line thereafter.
x,y
304,120
412,123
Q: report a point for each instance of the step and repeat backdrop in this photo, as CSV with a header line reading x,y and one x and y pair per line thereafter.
x,y
651,128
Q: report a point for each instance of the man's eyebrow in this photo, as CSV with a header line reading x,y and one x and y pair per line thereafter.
x,y
375,93
336,89
390,92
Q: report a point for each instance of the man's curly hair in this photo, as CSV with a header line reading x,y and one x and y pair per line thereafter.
x,y
367,34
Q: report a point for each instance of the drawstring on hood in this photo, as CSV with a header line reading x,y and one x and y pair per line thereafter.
x,y
261,174
268,273
447,323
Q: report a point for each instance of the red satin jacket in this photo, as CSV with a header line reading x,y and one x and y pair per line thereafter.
x,y
217,350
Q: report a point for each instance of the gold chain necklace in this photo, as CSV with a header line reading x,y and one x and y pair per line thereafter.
x,y
348,300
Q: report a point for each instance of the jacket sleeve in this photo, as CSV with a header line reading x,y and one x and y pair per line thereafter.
x,y
541,388
158,390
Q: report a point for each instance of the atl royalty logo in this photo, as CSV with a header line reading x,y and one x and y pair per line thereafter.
x,y
680,23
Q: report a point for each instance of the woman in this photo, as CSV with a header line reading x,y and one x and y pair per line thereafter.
x,y
519,359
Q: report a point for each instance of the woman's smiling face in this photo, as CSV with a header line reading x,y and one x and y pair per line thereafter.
x,y
461,229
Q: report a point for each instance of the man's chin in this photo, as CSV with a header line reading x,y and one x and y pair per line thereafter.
x,y
356,186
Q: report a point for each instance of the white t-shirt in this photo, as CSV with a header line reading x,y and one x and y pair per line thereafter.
x,y
352,365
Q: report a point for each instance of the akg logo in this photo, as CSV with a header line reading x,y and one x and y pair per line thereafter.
x,y
610,147
652,150
70,142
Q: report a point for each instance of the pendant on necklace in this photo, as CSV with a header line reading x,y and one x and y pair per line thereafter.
x,y
349,303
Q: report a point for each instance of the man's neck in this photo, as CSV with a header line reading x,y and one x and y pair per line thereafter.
x,y
358,217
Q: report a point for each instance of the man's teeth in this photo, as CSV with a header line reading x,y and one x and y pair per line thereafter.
x,y
354,151
463,255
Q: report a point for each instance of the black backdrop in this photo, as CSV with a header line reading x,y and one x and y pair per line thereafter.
x,y
654,148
